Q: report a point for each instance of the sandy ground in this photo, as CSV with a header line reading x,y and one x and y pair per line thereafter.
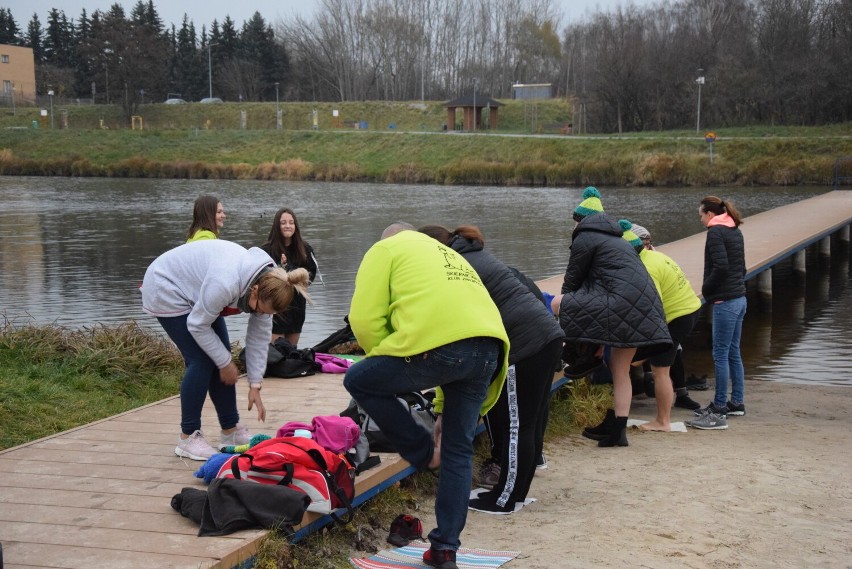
x,y
773,490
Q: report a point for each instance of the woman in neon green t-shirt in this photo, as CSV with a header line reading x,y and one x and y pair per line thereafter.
x,y
208,218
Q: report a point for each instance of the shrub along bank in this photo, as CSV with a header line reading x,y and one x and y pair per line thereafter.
x,y
421,152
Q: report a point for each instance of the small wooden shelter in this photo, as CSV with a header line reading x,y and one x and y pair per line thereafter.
x,y
472,105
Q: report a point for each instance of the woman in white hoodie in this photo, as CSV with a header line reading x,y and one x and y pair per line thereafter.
x,y
187,288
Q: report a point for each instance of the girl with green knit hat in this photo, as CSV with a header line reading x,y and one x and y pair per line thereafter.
x,y
609,299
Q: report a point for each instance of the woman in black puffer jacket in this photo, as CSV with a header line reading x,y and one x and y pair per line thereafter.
x,y
536,342
609,299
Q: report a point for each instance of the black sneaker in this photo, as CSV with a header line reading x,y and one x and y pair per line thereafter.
x,y
736,409
489,474
686,402
403,529
721,411
440,558
695,383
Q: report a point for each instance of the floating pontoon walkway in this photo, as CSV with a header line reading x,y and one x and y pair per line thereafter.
x,y
99,495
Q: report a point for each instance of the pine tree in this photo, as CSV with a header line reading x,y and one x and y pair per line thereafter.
x,y
58,40
268,61
149,25
129,55
35,39
230,41
84,65
188,63
9,32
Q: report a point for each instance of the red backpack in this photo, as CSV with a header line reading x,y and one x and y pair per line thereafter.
x,y
302,464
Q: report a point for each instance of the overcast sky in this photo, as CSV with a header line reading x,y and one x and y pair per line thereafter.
x,y
203,12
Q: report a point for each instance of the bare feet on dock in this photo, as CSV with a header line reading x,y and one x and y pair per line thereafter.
x,y
655,426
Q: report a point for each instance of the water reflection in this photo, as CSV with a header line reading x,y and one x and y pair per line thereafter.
x,y
73,251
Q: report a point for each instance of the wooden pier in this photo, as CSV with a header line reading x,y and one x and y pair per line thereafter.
x,y
99,495
771,237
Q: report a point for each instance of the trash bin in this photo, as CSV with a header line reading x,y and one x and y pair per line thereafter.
x,y
362,125
35,124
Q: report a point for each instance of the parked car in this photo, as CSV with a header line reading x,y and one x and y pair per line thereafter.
x,y
210,100
175,101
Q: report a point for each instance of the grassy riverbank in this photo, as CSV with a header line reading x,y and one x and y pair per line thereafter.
x,y
53,379
206,141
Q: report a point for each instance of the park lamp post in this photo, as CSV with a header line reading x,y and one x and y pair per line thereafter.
x,y
210,70
50,95
700,82
277,109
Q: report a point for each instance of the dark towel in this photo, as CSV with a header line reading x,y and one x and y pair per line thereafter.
x,y
232,505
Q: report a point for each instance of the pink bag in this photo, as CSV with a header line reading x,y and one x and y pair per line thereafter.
x,y
332,364
287,429
337,434
334,433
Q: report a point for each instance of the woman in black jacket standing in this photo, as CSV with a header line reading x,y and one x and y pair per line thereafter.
x,y
289,250
609,299
724,288
536,342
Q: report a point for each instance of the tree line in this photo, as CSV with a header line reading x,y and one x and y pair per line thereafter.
x,y
628,69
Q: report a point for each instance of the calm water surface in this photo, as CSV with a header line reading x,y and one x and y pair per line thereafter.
x,y
73,251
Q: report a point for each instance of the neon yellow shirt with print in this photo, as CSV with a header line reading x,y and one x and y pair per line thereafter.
x,y
201,235
413,294
679,299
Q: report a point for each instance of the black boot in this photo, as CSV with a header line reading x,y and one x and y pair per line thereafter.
x,y
602,430
617,435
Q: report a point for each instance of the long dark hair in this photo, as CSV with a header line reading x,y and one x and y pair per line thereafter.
x,y
296,253
444,235
204,215
718,206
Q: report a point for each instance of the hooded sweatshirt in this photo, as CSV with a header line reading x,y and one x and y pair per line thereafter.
x,y
413,294
200,279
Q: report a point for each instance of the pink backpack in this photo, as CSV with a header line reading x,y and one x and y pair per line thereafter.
x,y
337,434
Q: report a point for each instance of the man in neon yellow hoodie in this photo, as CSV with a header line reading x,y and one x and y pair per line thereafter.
x,y
424,319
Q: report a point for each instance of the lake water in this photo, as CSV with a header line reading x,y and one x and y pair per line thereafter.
x,y
73,251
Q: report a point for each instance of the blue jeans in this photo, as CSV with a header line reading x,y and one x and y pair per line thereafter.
x,y
463,370
727,330
201,376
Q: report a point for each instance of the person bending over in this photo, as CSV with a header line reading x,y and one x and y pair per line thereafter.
x,y
424,319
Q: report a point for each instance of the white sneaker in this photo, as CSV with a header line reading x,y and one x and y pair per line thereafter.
x,y
195,447
239,436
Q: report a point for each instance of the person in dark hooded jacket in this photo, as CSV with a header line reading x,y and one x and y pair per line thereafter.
x,y
608,298
535,341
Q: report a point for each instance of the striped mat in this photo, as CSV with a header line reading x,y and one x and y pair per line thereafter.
x,y
412,556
